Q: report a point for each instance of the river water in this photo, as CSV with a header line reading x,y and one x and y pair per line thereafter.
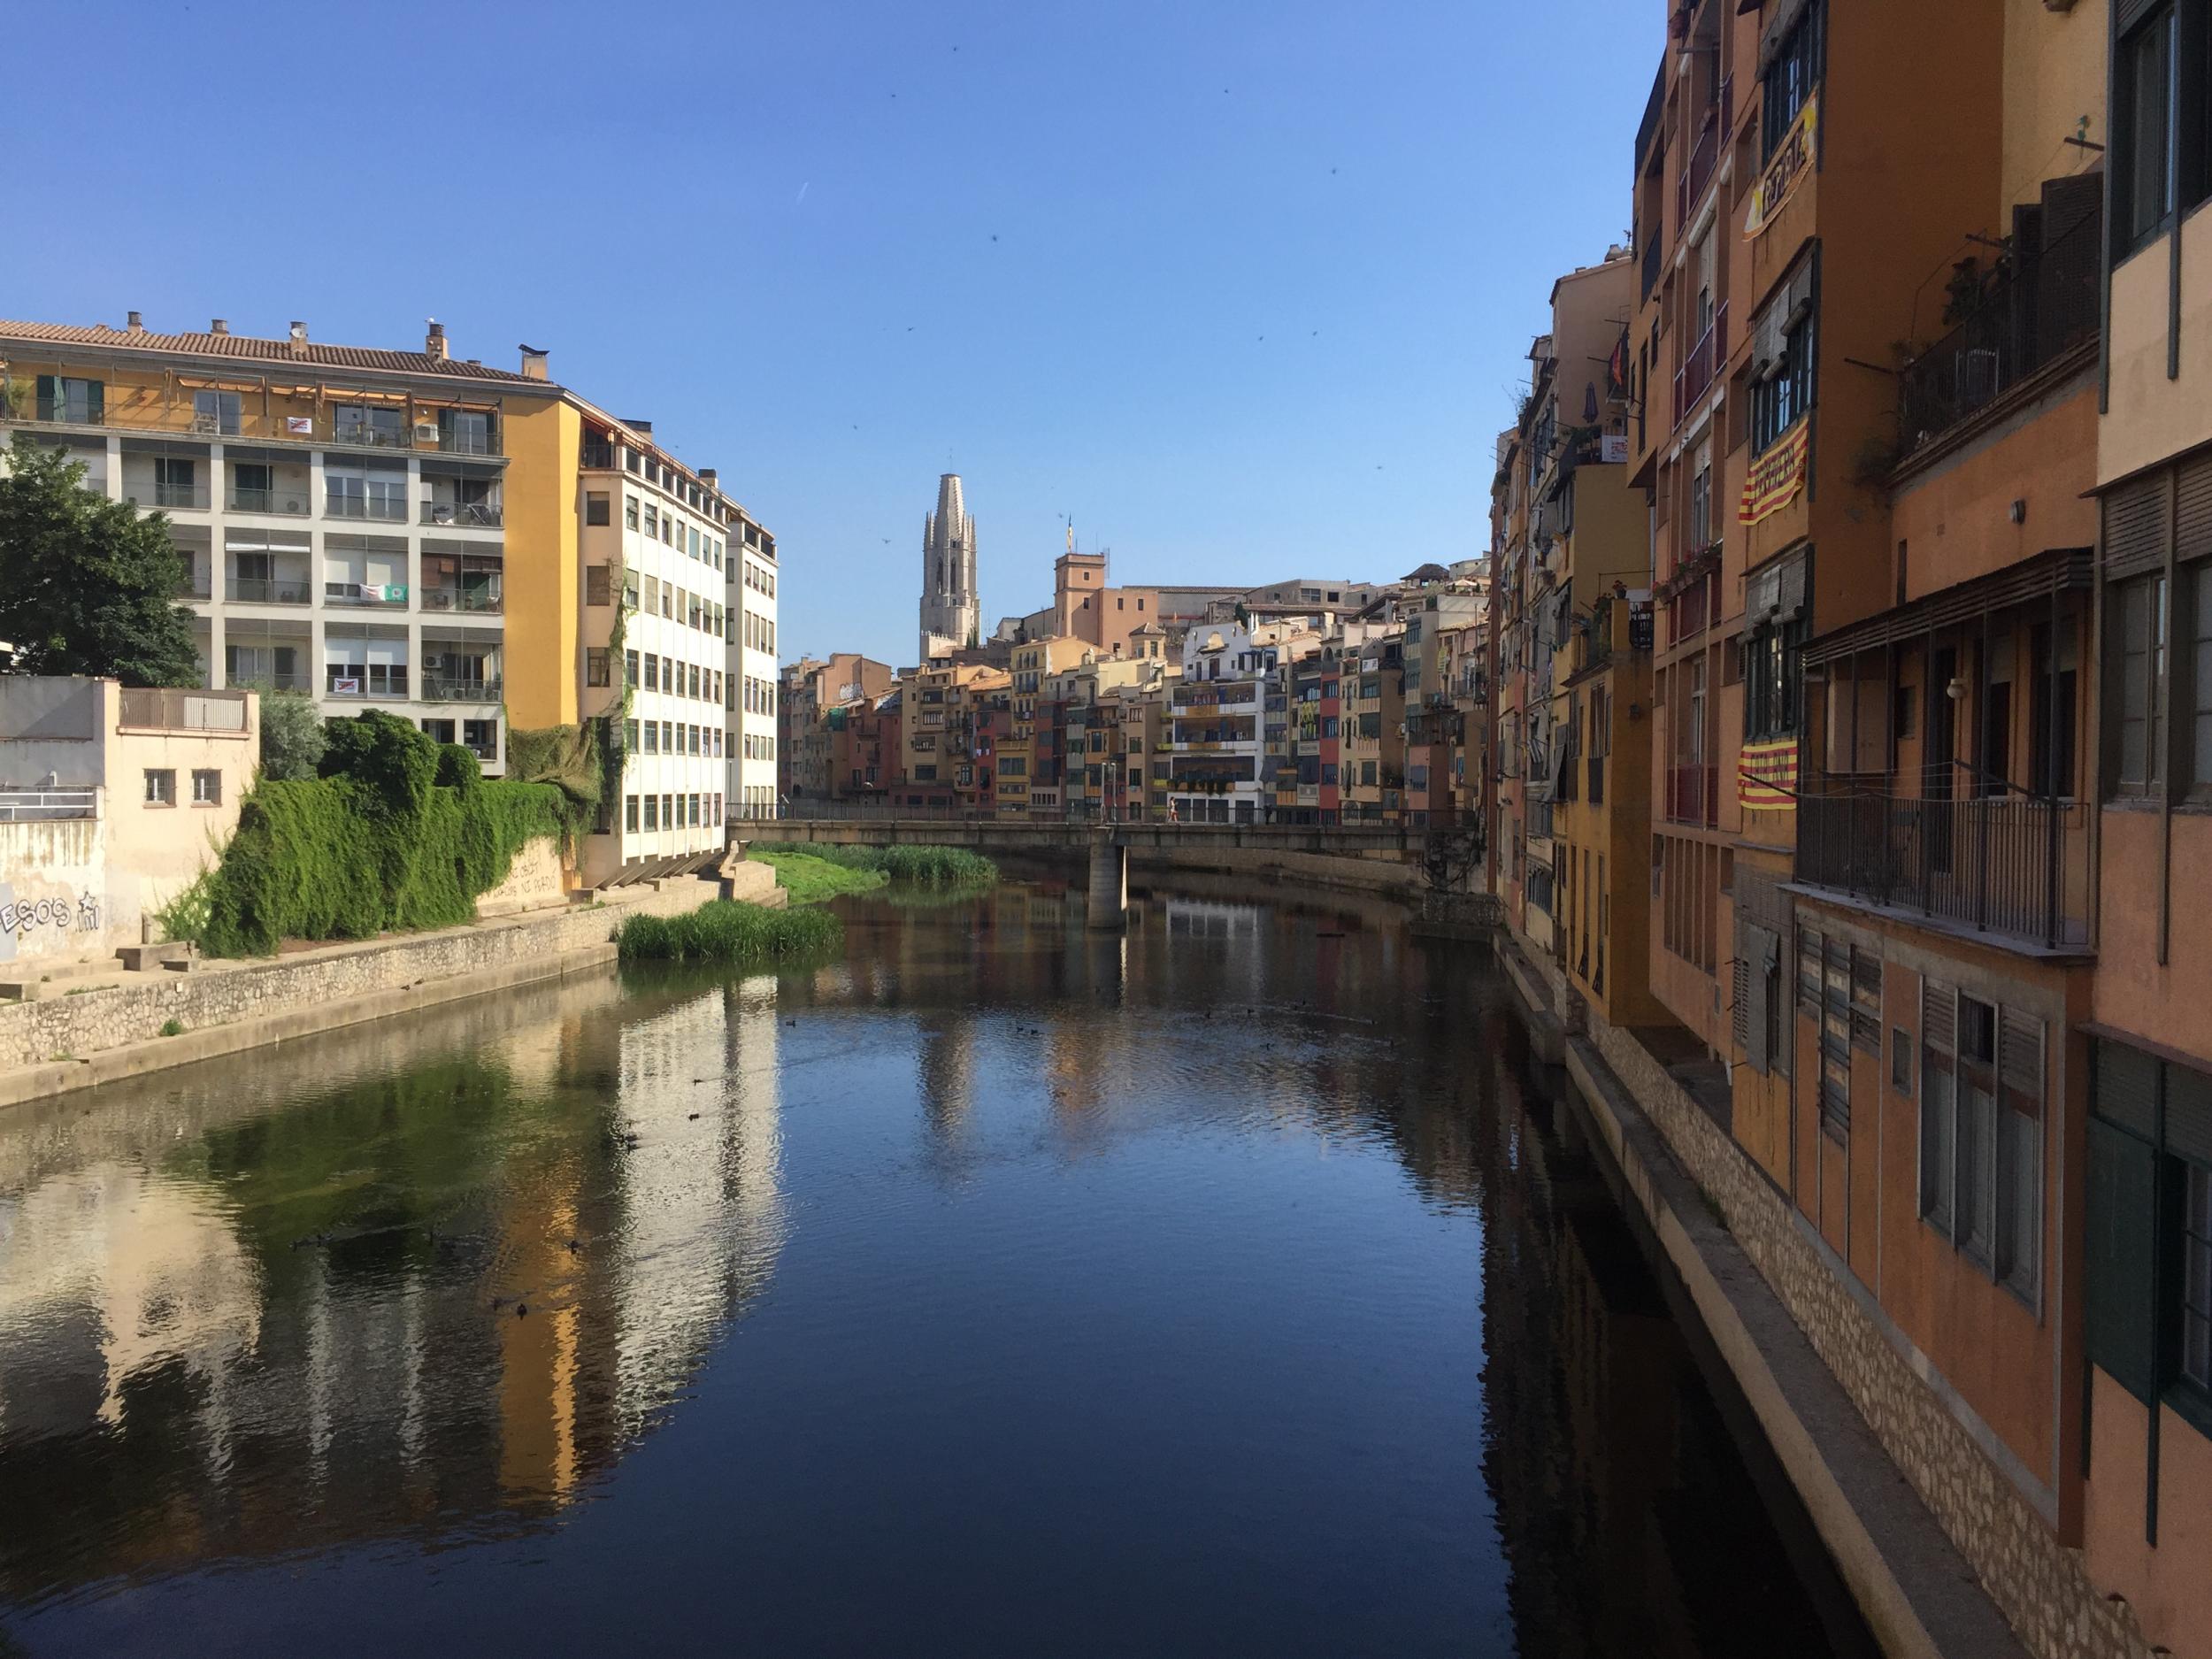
x,y
1231,1285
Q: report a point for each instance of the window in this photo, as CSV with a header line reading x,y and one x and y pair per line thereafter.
x,y
161,788
217,412
599,584
481,738
1780,398
652,811
652,737
65,399
1790,78
629,668
1981,1133
598,667
2146,105
630,511
2138,656
1835,1039
629,814
630,736
2149,1228
1900,1061
652,519
598,507
207,786
1773,680
174,484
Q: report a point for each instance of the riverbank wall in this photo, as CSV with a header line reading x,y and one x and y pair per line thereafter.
x,y
79,1037
1945,1558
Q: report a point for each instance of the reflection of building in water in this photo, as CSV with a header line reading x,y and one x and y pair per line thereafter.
x,y
247,1319
1608,1464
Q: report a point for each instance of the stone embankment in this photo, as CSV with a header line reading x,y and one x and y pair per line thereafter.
x,y
1944,1557
79,1036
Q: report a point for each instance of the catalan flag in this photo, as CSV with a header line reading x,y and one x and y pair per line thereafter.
x,y
1777,476
1766,777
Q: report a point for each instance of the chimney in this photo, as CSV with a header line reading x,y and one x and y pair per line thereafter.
x,y
220,326
299,339
708,476
644,428
434,344
534,362
136,323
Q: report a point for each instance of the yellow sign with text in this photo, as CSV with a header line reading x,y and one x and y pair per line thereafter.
x,y
1791,160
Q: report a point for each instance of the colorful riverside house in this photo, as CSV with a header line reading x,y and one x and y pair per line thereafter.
x,y
2149,1155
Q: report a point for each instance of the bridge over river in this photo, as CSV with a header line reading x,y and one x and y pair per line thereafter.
x,y
1436,869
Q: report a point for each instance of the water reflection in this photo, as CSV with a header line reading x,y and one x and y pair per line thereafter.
x,y
1222,1285
426,1277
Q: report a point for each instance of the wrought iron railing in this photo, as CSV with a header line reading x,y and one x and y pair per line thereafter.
x,y
2010,864
2041,305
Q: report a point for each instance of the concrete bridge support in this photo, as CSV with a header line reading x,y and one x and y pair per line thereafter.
x,y
1110,886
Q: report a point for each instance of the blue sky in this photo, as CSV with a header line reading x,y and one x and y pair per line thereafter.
x,y
834,249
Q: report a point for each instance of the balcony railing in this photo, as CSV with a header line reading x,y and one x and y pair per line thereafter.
x,y
2014,865
448,688
274,682
1651,261
262,590
194,585
287,503
353,682
32,806
2037,310
192,497
389,594
1695,376
1697,172
1692,794
463,441
467,600
159,710
390,510
480,515
373,437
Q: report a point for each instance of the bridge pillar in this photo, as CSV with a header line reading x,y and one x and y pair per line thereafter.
x,y
1110,886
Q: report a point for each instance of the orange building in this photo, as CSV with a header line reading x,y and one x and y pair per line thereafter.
x,y
2148,1177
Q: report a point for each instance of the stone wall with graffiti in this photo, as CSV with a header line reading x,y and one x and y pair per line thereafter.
x,y
55,904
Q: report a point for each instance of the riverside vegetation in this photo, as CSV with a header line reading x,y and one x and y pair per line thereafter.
x,y
724,930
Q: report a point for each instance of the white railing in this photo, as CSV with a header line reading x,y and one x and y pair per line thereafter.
x,y
35,806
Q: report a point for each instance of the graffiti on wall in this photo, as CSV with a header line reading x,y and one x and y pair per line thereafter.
x,y
84,914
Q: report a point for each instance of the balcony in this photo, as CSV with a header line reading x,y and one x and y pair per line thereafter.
x,y
289,503
2040,305
157,709
1695,377
468,515
265,590
193,585
378,680
1651,262
384,509
38,806
1697,172
448,688
2012,868
189,498
356,437
390,595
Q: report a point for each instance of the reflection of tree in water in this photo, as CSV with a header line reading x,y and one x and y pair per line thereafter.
x,y
304,1327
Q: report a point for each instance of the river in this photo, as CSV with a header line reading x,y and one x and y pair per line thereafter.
x,y
1232,1285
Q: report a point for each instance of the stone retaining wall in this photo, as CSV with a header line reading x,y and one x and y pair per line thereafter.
x,y
2038,1584
45,1045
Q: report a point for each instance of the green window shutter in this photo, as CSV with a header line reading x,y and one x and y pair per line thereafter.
x,y
48,397
95,398
2122,1288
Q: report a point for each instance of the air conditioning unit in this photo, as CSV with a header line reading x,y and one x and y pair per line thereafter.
x,y
425,432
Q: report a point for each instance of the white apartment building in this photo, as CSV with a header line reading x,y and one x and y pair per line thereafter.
x,y
754,675
340,508
667,543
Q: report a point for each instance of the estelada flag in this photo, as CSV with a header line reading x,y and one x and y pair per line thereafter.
x,y
1777,476
1766,776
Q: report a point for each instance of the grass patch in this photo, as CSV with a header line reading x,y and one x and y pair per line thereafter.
x,y
722,931
173,1028
808,880
928,866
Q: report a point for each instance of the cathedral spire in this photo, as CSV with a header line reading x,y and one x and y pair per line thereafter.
x,y
949,617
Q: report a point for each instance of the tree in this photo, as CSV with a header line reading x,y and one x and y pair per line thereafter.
x,y
292,740
86,586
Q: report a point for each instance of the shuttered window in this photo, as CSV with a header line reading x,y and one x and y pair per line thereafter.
x,y
1866,1000
2136,665
1981,1132
1808,970
1835,1040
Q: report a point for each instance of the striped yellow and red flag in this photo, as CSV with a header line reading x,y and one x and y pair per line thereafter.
x,y
1766,777
1777,476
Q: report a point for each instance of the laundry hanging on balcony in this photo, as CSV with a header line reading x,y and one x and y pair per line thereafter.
x,y
1766,776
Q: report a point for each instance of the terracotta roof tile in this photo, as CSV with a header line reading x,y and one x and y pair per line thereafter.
x,y
253,348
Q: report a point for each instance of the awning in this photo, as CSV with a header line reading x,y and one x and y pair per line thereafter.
x,y
2040,578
